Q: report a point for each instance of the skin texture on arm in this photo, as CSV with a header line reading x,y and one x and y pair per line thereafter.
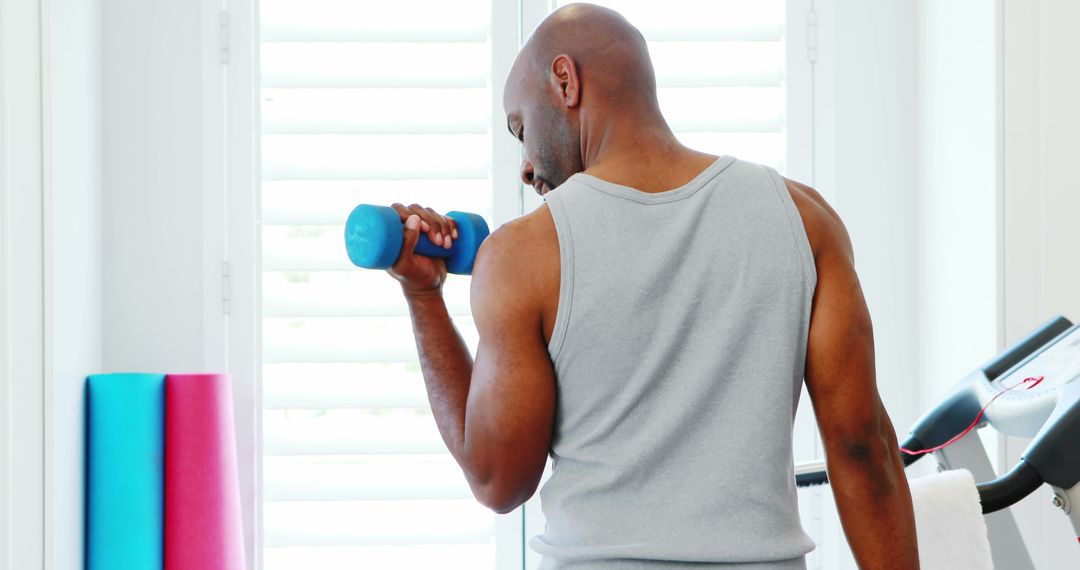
x,y
495,414
862,453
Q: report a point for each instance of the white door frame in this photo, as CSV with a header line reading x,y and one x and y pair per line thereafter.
x,y
21,287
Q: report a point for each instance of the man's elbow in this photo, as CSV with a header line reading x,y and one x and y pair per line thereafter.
x,y
870,449
502,498
872,459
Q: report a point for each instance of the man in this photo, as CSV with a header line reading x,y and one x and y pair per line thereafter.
x,y
650,327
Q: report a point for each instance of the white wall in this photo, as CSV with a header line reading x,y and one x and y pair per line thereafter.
x,y
163,191
864,126
73,260
957,193
865,165
1041,273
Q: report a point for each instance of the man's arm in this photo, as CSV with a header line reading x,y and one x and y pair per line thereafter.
x,y
862,453
496,415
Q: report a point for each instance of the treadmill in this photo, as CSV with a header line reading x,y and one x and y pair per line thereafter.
x,y
1035,385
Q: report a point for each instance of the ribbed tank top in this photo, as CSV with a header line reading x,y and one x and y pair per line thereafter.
x,y
679,348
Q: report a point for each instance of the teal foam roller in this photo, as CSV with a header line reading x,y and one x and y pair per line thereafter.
x,y
125,471
374,235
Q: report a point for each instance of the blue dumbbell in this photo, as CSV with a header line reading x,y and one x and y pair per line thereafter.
x,y
374,234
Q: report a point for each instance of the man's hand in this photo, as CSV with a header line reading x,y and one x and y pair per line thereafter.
x,y
416,273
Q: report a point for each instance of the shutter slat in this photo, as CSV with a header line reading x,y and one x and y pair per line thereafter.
x,y
376,64
723,109
324,251
347,294
379,477
764,32
369,339
349,432
375,111
392,157
689,17
401,523
306,385
349,21
718,64
321,391
467,556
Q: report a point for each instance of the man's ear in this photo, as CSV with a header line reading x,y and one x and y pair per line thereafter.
x,y
564,77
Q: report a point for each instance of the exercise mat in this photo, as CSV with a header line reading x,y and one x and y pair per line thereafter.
x,y
125,445
203,528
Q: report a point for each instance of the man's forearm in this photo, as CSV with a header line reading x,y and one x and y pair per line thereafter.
x,y
874,502
446,365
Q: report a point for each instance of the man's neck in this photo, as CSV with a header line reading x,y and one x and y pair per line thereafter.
x,y
649,159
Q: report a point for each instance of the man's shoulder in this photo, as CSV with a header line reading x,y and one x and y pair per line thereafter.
x,y
523,252
524,237
824,228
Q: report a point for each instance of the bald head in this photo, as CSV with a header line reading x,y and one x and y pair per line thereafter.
x,y
609,52
584,72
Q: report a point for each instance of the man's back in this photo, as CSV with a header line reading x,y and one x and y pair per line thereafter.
x,y
581,97
678,348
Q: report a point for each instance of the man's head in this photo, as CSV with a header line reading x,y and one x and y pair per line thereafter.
x,y
583,73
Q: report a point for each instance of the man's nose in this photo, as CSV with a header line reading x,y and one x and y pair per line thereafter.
x,y
527,172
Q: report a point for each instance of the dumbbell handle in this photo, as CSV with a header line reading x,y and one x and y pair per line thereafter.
x,y
427,249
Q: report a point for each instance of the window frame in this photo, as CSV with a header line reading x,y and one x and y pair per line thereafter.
x,y
511,22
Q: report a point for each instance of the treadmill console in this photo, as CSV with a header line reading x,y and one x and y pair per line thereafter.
x,y
1057,365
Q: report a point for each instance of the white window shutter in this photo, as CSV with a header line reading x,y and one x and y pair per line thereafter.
x,y
363,103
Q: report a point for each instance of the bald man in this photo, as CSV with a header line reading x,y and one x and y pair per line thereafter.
x,y
650,327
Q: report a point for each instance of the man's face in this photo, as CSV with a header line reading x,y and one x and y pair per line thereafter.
x,y
552,143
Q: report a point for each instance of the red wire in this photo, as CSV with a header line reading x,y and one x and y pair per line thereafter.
x,y
1033,379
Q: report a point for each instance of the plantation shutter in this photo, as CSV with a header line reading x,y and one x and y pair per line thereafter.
x,y
373,102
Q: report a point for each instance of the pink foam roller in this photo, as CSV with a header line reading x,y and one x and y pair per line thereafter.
x,y
203,528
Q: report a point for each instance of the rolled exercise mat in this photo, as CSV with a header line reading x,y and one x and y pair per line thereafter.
x,y
125,422
203,528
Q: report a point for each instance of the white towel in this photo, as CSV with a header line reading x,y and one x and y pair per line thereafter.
x,y
949,522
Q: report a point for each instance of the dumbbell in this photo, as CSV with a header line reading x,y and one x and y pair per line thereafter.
x,y
374,234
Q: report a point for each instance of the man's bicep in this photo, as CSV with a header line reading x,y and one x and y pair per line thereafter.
x,y
511,403
840,375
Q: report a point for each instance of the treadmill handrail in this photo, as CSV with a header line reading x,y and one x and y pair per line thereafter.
x,y
1025,347
1001,493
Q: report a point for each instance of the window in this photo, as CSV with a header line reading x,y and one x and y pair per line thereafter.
x,y
363,104
401,102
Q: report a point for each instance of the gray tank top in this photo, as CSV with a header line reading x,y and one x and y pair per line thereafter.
x,y
679,348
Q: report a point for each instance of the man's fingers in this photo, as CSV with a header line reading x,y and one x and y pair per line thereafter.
x,y
430,223
441,230
444,228
412,235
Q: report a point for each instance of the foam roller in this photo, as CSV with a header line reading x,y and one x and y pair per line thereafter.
x,y
374,235
125,448
203,521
